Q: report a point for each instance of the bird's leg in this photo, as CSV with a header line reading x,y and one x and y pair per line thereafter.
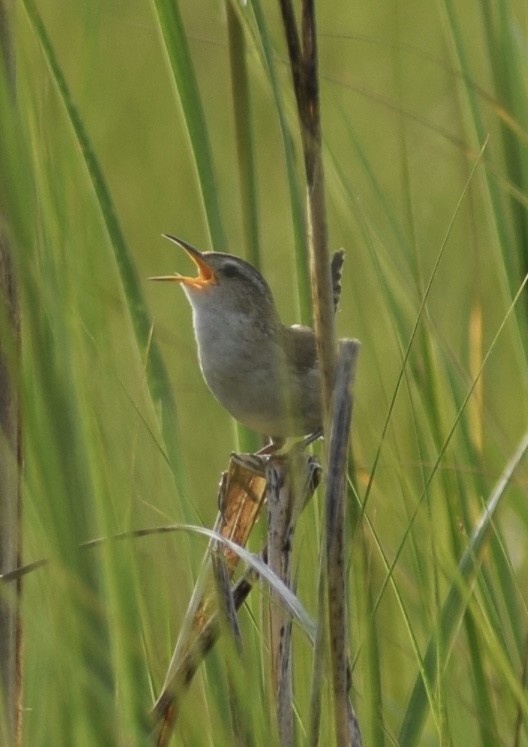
x,y
255,463
222,494
309,439
274,444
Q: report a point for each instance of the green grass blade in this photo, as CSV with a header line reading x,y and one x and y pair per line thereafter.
x,y
186,86
456,600
157,377
257,28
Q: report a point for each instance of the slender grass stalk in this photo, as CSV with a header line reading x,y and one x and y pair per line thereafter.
x,y
186,88
247,176
246,163
10,431
256,24
511,273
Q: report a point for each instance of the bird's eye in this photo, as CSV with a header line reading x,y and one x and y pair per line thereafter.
x,y
230,270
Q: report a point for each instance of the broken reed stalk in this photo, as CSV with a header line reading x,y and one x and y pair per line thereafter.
x,y
347,731
332,586
213,603
240,497
166,709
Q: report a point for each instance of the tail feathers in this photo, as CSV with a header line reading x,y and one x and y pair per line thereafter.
x,y
336,269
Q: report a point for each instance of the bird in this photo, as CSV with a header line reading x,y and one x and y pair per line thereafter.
x,y
263,372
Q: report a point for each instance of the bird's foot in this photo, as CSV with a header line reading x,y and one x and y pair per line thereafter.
x,y
258,461
309,439
275,444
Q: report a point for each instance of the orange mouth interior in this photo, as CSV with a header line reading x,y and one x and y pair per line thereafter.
x,y
205,275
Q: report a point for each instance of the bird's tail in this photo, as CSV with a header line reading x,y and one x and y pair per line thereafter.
x,y
336,268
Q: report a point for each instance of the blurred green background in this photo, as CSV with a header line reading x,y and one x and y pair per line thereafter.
x,y
436,250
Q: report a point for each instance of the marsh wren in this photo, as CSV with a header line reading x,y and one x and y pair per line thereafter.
x,y
263,372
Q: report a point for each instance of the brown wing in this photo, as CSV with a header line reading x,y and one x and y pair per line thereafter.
x,y
299,340
299,343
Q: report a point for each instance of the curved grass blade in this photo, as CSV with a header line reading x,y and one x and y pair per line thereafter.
x,y
157,378
186,85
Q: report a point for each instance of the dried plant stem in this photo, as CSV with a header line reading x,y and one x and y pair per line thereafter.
x,y
302,53
279,500
302,50
335,543
241,496
289,482
167,707
332,570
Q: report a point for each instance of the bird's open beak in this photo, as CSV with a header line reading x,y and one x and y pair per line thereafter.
x,y
205,275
